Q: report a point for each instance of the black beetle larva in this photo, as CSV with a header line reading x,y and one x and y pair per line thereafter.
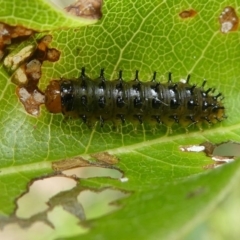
x,y
150,101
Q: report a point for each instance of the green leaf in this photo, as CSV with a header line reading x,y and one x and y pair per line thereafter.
x,y
171,191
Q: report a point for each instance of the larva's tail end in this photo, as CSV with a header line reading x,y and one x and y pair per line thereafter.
x,y
53,97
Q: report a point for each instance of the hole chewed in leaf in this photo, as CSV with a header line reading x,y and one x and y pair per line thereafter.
x,y
38,229
228,20
188,13
42,190
91,172
79,167
53,204
220,153
227,149
88,199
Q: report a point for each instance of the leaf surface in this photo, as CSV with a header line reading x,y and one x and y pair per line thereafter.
x,y
148,36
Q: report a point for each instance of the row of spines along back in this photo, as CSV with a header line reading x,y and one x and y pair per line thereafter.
x,y
136,100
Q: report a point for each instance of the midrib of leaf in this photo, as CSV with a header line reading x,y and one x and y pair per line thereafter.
x,y
25,168
130,148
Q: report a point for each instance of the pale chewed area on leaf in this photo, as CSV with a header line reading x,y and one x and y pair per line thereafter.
x,y
31,101
24,65
13,61
9,33
32,68
228,20
221,153
81,8
53,204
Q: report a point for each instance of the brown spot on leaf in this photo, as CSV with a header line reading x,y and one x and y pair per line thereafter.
x,y
70,163
196,192
52,55
86,9
44,53
208,148
228,20
187,13
105,160
105,157
44,43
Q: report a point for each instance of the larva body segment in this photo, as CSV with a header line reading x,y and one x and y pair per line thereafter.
x,y
151,101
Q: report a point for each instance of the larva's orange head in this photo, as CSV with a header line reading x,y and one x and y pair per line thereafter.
x,y
53,97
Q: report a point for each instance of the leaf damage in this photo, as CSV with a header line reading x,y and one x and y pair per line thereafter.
x,y
217,152
79,167
9,34
187,14
24,63
58,195
91,9
105,157
228,20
